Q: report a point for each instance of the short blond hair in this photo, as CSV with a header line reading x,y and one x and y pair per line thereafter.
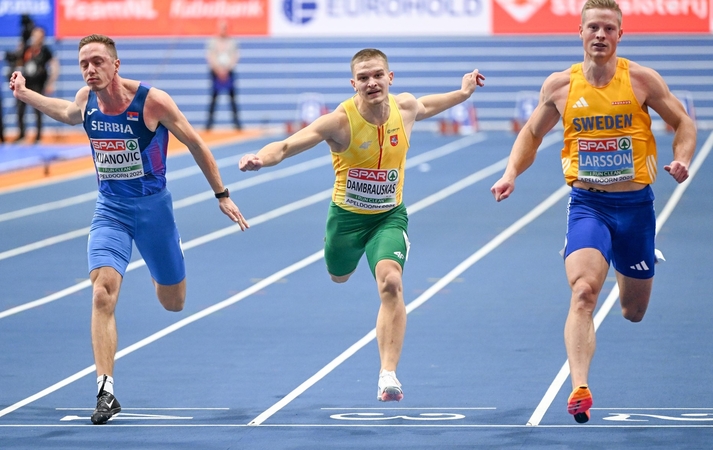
x,y
602,4
101,39
368,53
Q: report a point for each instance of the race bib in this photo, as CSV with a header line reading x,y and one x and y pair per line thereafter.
x,y
605,161
117,159
371,189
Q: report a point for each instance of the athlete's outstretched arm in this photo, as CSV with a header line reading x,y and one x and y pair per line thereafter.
x,y
430,105
524,150
59,109
324,128
160,106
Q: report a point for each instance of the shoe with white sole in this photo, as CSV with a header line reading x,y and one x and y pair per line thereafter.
x,y
389,387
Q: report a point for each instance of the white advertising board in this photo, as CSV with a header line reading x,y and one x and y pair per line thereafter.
x,y
365,18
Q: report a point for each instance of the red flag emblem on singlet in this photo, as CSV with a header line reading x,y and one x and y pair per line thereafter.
x,y
394,140
132,115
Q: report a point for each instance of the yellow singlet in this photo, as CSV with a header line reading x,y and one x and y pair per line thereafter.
x,y
607,135
370,172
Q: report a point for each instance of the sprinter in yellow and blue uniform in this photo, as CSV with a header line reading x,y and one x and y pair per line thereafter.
x,y
609,158
368,136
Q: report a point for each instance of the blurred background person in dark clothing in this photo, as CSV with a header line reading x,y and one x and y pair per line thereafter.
x,y
222,54
40,69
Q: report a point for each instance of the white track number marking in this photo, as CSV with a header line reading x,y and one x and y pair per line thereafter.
x,y
381,416
685,417
129,416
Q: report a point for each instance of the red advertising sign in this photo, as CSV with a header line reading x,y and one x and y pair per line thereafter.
x,y
127,18
564,16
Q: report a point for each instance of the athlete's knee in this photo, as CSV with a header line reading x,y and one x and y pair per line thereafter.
x,y
584,295
173,303
341,278
106,283
173,297
102,299
634,311
390,284
633,314
634,296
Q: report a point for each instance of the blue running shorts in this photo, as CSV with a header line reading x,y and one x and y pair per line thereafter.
x,y
148,221
621,225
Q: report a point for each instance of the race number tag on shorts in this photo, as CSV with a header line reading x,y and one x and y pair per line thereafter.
x,y
117,159
605,161
371,189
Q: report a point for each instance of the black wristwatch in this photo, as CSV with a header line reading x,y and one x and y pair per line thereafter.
x,y
224,194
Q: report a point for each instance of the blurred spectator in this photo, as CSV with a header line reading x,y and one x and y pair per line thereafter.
x,y
13,59
223,55
40,69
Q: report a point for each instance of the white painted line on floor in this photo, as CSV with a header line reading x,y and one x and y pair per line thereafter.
x,y
207,311
563,373
423,298
298,168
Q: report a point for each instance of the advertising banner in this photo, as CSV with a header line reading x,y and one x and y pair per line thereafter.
x,y
564,16
362,18
40,12
129,18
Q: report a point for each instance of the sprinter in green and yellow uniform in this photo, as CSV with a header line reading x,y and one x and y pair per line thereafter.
x,y
368,136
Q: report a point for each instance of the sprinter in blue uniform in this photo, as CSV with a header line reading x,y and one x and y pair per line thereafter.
x,y
127,124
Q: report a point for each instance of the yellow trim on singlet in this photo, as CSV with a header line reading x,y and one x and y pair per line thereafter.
x,y
370,172
607,134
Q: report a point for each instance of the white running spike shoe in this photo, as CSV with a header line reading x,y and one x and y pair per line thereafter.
x,y
389,387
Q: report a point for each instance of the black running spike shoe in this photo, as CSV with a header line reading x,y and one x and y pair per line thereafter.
x,y
107,406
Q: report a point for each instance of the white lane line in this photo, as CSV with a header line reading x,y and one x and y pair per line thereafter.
x,y
170,176
377,408
223,162
21,250
190,319
656,409
171,328
435,288
250,182
91,172
426,156
59,204
343,425
148,409
208,195
294,206
611,299
48,299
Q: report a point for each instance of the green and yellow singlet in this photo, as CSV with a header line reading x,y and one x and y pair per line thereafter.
x,y
370,172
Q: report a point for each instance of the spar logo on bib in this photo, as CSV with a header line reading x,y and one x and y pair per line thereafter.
x,y
605,161
117,159
114,144
604,145
371,189
374,174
